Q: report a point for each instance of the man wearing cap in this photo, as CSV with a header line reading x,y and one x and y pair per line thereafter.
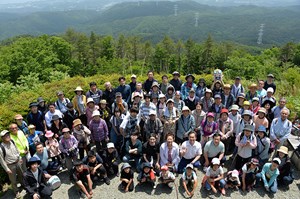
x,y
185,124
111,160
124,89
21,142
22,125
269,83
120,104
61,102
276,110
11,161
52,111
252,93
80,174
36,117
190,152
148,83
280,128
227,97
176,82
95,93
246,142
268,175
70,115
237,87
109,94
169,117
187,86
192,100
269,96
133,83
35,182
217,106
153,125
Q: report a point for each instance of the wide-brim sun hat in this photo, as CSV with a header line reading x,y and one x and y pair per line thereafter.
x,y
283,149
189,75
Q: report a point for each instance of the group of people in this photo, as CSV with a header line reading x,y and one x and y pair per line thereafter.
x,y
156,130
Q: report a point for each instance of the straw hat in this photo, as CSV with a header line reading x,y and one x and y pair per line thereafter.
x,y
283,149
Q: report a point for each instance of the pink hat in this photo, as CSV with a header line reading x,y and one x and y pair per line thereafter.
x,y
49,134
235,173
164,168
210,114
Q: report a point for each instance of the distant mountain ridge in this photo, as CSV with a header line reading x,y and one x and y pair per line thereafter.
x,y
152,20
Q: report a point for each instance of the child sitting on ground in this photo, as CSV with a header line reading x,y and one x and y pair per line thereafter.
x,y
232,179
166,177
126,178
214,177
147,175
189,180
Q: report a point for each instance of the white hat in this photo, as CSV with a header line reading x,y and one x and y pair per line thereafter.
x,y
215,161
185,108
161,96
90,100
277,160
3,133
170,100
110,145
96,113
152,112
190,166
270,89
133,76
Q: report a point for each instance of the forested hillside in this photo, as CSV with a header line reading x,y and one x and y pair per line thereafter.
x,y
151,21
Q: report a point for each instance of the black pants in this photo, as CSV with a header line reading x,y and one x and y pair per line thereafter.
x,y
100,146
44,192
131,186
100,172
239,163
112,168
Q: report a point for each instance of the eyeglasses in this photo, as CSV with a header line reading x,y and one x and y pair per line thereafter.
x,y
13,128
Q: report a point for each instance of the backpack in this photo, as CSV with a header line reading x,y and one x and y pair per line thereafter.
x,y
271,148
3,149
57,103
276,120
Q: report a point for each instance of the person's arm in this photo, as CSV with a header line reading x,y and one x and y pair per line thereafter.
x,y
139,148
90,184
263,174
160,127
82,187
3,163
163,158
253,143
230,132
195,185
185,186
272,130
238,141
244,181
128,184
28,188
273,178
105,130
86,130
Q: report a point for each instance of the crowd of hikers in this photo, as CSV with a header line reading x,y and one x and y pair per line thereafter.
x,y
158,130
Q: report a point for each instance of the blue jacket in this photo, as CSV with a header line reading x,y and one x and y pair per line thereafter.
x,y
126,92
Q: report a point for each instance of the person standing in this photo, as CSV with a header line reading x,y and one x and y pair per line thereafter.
x,y
270,82
79,103
61,102
36,117
148,83
176,82
94,93
237,88
133,83
11,161
124,89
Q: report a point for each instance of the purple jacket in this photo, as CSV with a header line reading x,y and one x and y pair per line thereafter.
x,y
99,130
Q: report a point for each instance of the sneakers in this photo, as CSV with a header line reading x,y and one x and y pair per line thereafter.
x,y
107,181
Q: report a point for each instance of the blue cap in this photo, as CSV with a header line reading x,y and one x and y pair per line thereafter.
x,y
34,159
262,128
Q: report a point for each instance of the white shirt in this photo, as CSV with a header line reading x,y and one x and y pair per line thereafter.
x,y
48,116
191,150
211,173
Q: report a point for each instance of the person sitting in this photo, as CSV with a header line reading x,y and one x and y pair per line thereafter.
x,y
151,152
96,167
285,177
232,179
126,178
185,124
263,145
33,137
147,175
133,150
111,160
80,175
190,152
213,149
248,173
169,153
153,125
189,180
214,177
245,141
35,180
269,175
166,177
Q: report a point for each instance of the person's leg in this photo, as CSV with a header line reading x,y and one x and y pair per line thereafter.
x,y
126,158
113,136
207,185
182,164
69,163
103,173
287,180
197,164
13,177
45,191
137,161
238,162
222,183
81,153
131,186
273,187
258,179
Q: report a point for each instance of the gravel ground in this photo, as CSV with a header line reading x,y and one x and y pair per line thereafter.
x,y
67,190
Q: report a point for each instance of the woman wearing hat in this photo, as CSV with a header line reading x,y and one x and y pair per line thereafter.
x,y
187,86
126,178
106,112
201,88
248,173
79,102
199,116
225,125
246,142
269,114
82,134
34,180
68,146
57,125
207,100
252,93
52,146
255,106
161,105
216,87
90,108
169,118
170,92
208,128
178,102
285,177
22,125
263,145
246,119
185,124
155,92
240,100
260,119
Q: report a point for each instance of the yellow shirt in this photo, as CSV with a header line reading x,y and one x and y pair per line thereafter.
x,y
21,142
